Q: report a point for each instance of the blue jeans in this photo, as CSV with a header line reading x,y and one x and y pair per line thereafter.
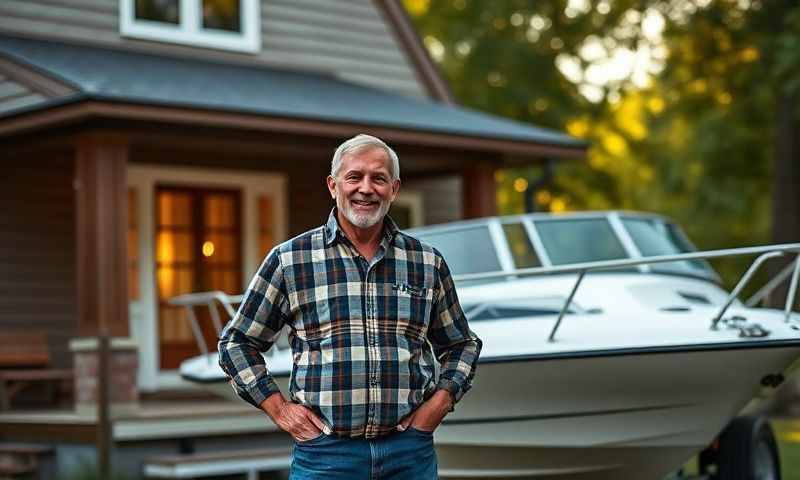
x,y
397,456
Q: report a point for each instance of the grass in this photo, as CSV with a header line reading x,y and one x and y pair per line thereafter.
x,y
787,432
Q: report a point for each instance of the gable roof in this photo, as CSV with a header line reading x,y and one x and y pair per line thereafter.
x,y
102,74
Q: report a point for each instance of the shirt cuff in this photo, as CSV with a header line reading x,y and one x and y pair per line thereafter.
x,y
452,387
258,391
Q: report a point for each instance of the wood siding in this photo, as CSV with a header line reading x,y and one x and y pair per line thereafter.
x,y
347,39
37,249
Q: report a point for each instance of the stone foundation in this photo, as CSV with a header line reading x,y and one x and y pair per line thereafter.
x,y
123,392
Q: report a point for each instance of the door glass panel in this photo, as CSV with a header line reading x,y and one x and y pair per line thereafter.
x,y
198,238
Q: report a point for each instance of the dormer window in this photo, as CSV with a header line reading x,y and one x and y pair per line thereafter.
x,y
225,24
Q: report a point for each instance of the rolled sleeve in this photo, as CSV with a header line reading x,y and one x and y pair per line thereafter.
x,y
254,329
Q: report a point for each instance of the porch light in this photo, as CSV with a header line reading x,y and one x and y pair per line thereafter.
x,y
208,249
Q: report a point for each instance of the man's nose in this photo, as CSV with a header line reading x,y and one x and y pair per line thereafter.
x,y
366,186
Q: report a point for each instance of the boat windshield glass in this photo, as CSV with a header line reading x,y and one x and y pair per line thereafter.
x,y
654,236
458,246
520,246
579,240
509,309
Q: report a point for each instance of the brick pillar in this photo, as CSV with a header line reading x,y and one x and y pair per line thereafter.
x,y
123,367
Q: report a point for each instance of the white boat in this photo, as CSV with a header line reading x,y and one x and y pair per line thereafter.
x,y
610,349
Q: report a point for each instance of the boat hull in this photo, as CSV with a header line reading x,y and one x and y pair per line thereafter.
x,y
636,415
617,414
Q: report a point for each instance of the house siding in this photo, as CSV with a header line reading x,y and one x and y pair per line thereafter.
x,y
347,39
37,249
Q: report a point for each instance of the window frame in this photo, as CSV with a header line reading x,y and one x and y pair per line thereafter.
x,y
189,30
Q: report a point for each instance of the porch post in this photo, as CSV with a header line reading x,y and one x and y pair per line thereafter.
x,y
479,190
101,263
101,229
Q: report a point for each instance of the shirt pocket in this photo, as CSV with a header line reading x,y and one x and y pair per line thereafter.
x,y
411,305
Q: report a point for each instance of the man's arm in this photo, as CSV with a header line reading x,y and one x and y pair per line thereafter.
x,y
456,347
254,329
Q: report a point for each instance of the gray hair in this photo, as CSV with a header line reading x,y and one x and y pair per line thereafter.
x,y
362,142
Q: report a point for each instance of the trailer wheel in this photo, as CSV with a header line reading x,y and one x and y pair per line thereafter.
x,y
748,451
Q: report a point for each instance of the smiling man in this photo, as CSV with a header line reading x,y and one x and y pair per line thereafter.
x,y
369,311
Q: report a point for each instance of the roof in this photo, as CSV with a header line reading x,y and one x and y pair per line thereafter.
x,y
107,74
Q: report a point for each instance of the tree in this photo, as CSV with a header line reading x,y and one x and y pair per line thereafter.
x,y
696,143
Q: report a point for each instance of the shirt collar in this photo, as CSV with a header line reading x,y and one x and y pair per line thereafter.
x,y
332,229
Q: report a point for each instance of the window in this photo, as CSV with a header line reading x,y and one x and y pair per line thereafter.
x,y
520,246
578,241
225,24
654,237
466,250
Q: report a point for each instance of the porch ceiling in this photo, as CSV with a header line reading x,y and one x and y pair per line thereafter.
x,y
126,84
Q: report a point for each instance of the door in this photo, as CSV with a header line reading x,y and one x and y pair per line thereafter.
x,y
198,238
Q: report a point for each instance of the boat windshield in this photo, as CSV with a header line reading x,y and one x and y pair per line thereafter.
x,y
458,246
532,307
579,240
653,236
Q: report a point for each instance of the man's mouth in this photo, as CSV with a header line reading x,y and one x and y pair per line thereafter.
x,y
364,203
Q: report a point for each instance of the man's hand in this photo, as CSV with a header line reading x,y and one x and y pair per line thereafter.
x,y
430,414
296,420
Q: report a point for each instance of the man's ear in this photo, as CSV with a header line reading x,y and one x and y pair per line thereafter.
x,y
332,186
395,188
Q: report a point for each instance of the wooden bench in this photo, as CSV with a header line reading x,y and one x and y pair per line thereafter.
x,y
248,462
24,359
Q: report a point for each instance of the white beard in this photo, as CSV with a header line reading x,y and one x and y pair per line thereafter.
x,y
361,220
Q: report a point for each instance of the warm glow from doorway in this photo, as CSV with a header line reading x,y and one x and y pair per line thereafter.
x,y
208,249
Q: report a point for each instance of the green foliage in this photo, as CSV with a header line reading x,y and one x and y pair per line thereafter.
x,y
696,144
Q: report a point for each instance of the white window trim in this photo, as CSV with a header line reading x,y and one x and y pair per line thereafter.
x,y
144,311
190,32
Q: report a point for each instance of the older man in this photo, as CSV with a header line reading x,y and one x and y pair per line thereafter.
x,y
369,310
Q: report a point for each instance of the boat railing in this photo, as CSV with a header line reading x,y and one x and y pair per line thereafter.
x,y
766,252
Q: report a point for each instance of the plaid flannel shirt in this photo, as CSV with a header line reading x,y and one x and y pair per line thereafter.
x,y
365,336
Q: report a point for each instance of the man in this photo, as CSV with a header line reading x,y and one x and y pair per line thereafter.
x,y
369,311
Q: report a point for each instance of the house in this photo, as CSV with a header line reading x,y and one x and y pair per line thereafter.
x,y
159,147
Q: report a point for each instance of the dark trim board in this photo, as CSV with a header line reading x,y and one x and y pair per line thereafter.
x,y
81,107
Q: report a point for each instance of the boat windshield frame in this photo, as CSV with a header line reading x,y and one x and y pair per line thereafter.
x,y
616,220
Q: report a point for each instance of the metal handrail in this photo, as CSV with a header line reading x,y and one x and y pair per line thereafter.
x,y
767,251
771,285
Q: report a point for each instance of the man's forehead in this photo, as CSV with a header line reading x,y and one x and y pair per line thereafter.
x,y
370,157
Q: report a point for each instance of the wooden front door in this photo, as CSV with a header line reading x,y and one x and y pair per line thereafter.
x,y
198,238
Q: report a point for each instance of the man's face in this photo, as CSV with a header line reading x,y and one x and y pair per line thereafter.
x,y
363,187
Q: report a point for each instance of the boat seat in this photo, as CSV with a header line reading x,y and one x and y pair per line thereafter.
x,y
192,465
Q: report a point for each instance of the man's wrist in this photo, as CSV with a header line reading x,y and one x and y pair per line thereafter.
x,y
273,405
444,399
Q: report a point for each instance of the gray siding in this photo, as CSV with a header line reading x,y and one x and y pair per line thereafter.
x,y
348,39
37,249
441,196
